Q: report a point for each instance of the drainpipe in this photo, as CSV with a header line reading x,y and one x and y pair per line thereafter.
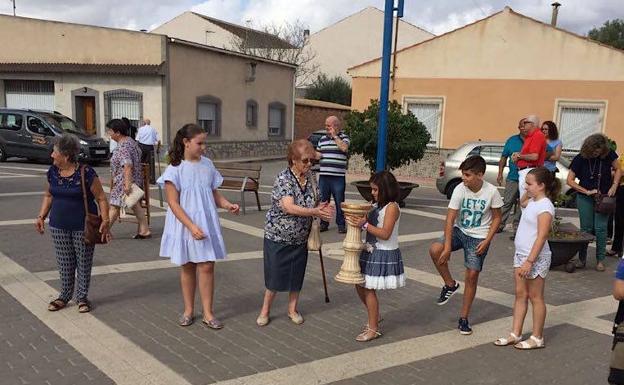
x,y
555,13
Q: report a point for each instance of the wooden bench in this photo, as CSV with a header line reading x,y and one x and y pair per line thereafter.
x,y
241,177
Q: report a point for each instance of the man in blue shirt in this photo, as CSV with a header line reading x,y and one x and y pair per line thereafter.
x,y
512,191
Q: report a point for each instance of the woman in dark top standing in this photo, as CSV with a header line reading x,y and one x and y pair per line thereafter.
x,y
592,166
63,200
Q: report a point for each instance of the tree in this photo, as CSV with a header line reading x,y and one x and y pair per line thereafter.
x,y
611,33
407,137
335,90
299,53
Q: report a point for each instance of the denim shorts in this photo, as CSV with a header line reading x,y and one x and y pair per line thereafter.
x,y
460,240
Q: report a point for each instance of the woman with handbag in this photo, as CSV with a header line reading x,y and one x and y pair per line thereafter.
x,y
73,193
595,191
294,204
126,177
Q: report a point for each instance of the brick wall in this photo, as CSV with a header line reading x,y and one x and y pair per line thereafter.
x,y
309,119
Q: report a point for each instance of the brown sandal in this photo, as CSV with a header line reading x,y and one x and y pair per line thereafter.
x,y
56,305
84,307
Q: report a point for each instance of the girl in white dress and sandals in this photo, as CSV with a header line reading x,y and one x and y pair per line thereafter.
x,y
192,235
380,262
532,257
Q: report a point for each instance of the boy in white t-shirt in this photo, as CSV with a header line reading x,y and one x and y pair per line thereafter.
x,y
474,214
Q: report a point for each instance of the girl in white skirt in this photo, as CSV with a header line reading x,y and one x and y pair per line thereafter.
x,y
192,235
532,257
380,261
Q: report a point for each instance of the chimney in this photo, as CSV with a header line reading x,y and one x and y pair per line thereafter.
x,y
555,13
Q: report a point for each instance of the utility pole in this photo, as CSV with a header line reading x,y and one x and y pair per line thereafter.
x,y
13,7
382,129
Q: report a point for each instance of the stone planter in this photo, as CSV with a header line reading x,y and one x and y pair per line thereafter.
x,y
365,190
565,244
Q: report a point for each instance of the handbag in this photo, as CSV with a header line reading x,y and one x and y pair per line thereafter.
x,y
135,195
314,239
91,234
616,364
604,204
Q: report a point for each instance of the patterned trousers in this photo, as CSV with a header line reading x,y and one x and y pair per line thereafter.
x,y
74,260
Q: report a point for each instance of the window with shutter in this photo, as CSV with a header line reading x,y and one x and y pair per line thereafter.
x,y
252,114
209,115
578,120
277,117
428,111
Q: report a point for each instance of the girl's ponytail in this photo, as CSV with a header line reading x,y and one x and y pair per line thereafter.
x,y
176,152
552,185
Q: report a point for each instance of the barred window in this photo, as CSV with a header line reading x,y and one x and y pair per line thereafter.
x,y
123,103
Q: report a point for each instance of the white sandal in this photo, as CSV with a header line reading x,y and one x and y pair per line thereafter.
x,y
506,341
530,343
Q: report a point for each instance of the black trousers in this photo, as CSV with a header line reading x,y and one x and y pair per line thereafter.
x,y
147,156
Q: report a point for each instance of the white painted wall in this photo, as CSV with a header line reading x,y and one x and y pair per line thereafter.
x,y
191,27
357,39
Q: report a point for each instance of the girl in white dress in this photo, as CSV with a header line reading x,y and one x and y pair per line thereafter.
x,y
532,257
192,234
381,262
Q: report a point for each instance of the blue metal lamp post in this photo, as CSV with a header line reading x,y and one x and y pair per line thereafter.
x,y
382,131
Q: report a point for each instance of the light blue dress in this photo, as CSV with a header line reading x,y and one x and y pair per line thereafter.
x,y
195,181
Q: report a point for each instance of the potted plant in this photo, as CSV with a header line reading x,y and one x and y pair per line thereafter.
x,y
407,141
565,241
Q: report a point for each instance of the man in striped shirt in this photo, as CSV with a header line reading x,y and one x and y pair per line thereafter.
x,y
332,150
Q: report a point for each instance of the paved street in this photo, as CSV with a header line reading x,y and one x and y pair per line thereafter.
x,y
131,336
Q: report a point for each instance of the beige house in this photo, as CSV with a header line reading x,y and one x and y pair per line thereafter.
x,y
356,39
207,30
476,82
245,103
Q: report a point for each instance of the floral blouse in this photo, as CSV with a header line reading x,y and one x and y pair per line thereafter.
x,y
287,228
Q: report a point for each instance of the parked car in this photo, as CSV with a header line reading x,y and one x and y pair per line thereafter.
x,y
30,134
314,139
450,176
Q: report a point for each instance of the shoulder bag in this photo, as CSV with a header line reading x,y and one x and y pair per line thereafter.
x,y
604,203
92,234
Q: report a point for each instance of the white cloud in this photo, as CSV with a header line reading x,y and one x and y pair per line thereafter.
x,y
436,16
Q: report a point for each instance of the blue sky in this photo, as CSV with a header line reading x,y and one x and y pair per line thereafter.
x,y
437,16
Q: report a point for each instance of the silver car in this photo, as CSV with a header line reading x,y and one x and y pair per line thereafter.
x,y
450,176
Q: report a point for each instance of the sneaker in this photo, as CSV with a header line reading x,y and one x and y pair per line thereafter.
x,y
446,293
342,230
464,326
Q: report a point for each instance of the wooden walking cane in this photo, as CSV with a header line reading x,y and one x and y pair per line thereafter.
x,y
320,251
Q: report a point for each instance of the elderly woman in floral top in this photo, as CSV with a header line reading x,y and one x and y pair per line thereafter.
x,y
294,203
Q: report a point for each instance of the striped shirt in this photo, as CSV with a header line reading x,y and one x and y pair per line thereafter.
x,y
333,161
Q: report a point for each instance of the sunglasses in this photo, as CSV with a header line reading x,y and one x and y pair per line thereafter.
x,y
305,161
